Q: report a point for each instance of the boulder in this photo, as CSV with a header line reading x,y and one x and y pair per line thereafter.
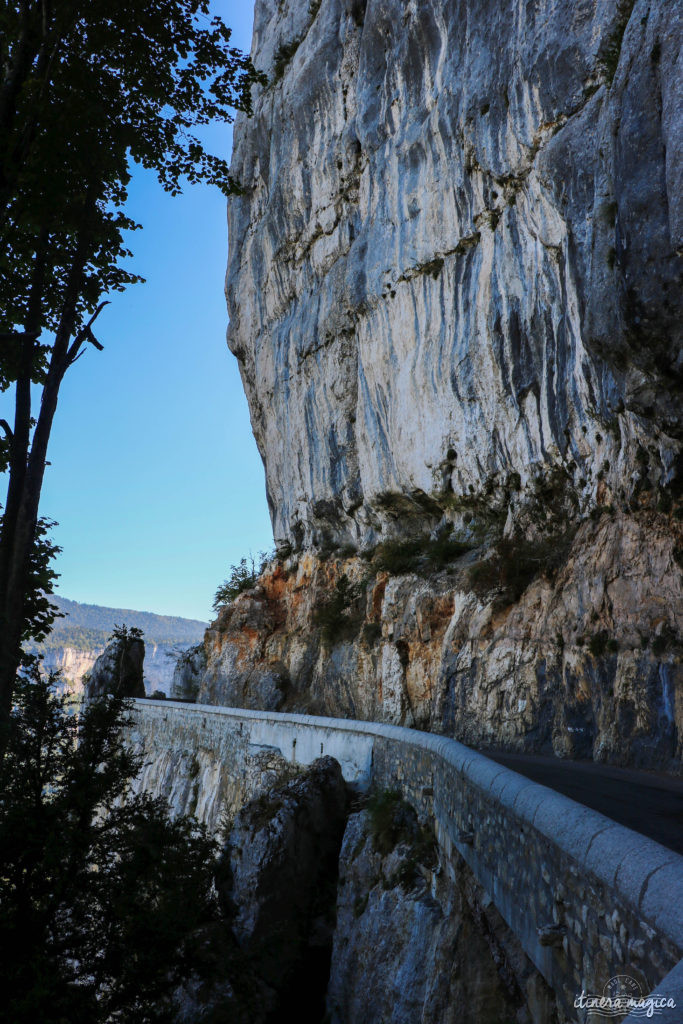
x,y
118,670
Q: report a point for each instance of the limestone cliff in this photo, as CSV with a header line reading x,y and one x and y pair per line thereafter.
x,y
417,940
585,663
454,296
74,664
118,670
457,255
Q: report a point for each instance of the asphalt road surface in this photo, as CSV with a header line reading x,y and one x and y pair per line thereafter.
x,y
647,802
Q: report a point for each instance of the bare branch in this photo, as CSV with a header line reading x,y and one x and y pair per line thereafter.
x,y
89,336
85,334
8,430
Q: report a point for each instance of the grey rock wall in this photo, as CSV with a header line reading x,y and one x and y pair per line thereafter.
x,y
457,254
162,663
412,944
187,673
586,663
279,874
118,670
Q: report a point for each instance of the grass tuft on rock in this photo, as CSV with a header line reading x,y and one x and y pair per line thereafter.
x,y
419,555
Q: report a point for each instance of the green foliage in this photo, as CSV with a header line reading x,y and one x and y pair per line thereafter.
x,y
337,617
242,576
372,632
421,555
387,825
39,611
87,89
397,557
126,82
283,56
514,562
611,51
127,633
432,267
598,511
660,643
107,903
600,643
394,821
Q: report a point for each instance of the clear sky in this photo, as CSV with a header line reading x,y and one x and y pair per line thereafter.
x,y
155,480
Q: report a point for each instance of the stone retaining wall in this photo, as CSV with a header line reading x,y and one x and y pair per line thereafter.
x,y
587,898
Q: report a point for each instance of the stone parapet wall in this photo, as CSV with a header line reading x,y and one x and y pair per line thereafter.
x,y
587,898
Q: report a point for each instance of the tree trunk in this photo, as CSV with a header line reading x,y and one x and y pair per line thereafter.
x,y
26,480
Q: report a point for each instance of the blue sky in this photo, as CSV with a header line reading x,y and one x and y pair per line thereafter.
x,y
155,480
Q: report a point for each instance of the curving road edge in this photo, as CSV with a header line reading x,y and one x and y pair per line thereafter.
x,y
590,900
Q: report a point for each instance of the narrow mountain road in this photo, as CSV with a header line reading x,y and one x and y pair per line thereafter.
x,y
648,802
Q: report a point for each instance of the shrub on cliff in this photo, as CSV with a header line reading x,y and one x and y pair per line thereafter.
x,y
106,903
241,577
514,562
393,821
339,617
419,555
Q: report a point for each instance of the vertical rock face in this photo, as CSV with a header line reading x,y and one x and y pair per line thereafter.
x,y
584,663
454,295
187,673
118,669
279,874
414,944
455,259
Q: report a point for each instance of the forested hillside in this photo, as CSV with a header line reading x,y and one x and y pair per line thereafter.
x,y
87,626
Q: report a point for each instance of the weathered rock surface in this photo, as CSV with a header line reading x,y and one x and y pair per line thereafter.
x,y
210,777
187,674
454,296
586,663
74,665
278,880
118,670
413,944
457,256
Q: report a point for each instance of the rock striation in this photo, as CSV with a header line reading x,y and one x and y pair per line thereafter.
x,y
187,673
454,296
457,256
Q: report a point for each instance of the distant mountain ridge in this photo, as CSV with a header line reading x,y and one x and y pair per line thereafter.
x,y
82,634
86,626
